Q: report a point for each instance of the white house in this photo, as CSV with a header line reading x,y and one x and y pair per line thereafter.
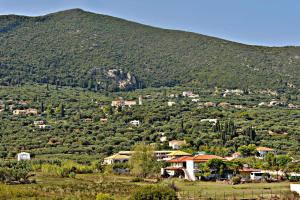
x,y
263,151
23,156
135,122
187,93
295,188
187,166
190,94
171,103
163,138
209,120
45,127
117,158
237,155
41,122
176,144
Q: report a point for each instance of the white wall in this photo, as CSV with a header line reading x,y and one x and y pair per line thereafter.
x,y
190,170
295,188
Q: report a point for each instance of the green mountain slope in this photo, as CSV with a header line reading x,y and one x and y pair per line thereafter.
x,y
79,48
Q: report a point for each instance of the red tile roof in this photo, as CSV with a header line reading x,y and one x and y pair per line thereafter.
x,y
181,159
205,158
199,158
264,149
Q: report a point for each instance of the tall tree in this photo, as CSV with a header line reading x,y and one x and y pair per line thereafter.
x,y
143,162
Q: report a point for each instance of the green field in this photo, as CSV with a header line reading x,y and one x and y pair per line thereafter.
x,y
86,186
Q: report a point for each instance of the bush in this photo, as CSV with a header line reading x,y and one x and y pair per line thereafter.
x,y
294,178
236,180
154,192
101,196
137,179
72,174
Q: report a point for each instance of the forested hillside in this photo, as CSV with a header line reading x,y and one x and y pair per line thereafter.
x,y
78,48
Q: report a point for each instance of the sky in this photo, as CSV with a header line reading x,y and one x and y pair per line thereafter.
x,y
255,22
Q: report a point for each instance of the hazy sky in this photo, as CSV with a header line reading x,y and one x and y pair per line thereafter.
x,y
262,22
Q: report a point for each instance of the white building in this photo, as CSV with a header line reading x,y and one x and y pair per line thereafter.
x,y
135,122
187,166
41,122
171,103
140,100
209,120
263,151
116,158
176,144
23,156
45,127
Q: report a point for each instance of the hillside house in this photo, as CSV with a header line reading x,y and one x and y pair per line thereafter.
x,y
233,156
214,121
224,105
190,94
19,112
41,122
32,111
187,166
163,138
103,120
135,122
187,93
237,155
23,156
160,155
11,107
171,103
122,103
45,127
209,104
263,151
29,111
116,158
23,103
232,92
88,120
177,144
177,154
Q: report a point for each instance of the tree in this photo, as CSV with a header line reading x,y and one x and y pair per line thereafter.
x,y
42,107
143,161
60,111
49,110
107,110
154,192
235,166
216,166
282,161
246,151
251,133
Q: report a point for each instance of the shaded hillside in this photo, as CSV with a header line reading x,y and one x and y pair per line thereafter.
x,y
79,48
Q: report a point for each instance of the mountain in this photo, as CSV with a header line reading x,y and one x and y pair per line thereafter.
x,y
79,48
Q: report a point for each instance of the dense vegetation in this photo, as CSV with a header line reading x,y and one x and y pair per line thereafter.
x,y
77,48
77,133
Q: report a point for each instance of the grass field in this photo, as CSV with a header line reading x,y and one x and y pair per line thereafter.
x,y
86,186
220,190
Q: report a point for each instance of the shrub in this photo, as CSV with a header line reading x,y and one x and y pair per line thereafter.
x,y
101,196
236,180
137,179
154,192
72,174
